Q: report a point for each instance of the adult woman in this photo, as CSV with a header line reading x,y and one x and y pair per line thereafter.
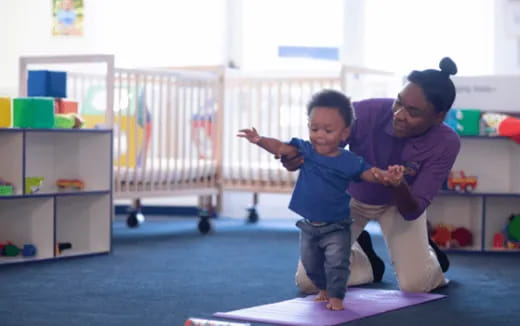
x,y
406,131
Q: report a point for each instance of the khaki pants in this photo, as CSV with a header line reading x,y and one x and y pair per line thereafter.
x,y
415,264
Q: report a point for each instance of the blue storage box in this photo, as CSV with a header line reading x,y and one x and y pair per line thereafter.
x,y
47,83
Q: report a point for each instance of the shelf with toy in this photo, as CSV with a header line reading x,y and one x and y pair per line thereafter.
x,y
493,163
68,161
498,212
449,214
29,223
82,222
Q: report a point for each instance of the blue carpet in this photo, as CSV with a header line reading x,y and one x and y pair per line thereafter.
x,y
165,271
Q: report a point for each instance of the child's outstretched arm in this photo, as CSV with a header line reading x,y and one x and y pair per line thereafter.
x,y
391,177
272,145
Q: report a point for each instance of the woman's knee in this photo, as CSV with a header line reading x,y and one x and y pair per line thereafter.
x,y
414,285
303,281
422,282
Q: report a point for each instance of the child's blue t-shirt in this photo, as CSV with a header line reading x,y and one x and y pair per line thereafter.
x,y
320,194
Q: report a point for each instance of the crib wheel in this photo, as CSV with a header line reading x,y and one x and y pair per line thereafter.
x,y
204,225
252,216
134,219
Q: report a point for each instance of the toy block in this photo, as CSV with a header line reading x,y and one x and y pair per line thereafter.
x,y
5,112
66,106
33,112
468,121
47,83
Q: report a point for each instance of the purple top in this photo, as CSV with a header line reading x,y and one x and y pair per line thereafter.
x,y
428,158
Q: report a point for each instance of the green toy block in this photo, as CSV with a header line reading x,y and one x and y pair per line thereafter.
x,y
33,112
6,190
468,121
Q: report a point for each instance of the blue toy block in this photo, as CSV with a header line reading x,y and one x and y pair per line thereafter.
x,y
47,83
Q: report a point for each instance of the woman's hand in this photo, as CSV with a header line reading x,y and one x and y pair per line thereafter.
x,y
291,163
392,177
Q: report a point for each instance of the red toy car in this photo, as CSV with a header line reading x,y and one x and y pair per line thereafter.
x,y
459,181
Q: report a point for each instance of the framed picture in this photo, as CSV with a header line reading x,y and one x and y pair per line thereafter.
x,y
67,17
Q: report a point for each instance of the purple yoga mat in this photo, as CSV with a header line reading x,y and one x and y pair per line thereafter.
x,y
359,303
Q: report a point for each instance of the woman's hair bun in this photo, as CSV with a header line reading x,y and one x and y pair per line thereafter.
x,y
448,66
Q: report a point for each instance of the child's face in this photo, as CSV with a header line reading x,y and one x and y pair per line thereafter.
x,y
327,130
67,4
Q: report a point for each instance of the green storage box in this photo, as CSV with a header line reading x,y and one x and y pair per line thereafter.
x,y
468,121
33,112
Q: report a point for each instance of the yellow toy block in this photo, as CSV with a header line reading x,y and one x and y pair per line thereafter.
x,y
5,112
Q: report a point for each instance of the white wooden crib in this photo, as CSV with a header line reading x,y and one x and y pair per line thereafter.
x,y
175,128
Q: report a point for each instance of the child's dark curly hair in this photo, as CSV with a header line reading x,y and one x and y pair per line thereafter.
x,y
333,99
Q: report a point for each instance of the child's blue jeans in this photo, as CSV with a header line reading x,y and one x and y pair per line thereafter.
x,y
325,254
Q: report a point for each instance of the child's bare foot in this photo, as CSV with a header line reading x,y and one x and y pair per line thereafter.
x,y
335,304
322,296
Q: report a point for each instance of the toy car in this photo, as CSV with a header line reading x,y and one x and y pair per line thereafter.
x,y
459,181
70,183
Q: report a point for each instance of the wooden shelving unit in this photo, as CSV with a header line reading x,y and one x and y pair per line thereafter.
x,y
51,215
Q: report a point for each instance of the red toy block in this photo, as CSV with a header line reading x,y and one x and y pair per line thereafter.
x,y
66,106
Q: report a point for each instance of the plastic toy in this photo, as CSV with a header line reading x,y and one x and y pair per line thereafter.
x,y
441,235
76,184
33,184
447,236
5,112
29,250
47,83
498,124
37,112
499,241
509,238
10,250
464,121
65,106
60,246
6,188
513,228
459,181
68,121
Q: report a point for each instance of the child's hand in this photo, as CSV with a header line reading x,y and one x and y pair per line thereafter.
x,y
395,174
250,134
391,177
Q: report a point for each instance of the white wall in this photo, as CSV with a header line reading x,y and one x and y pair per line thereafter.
x,y
139,33
507,42
402,35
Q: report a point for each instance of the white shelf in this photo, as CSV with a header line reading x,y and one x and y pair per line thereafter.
x,y
50,216
497,212
68,156
459,211
11,159
28,221
496,163
81,221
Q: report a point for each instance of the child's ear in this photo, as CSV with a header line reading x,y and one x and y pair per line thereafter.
x,y
345,134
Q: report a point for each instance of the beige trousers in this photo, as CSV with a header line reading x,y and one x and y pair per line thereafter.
x,y
415,264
